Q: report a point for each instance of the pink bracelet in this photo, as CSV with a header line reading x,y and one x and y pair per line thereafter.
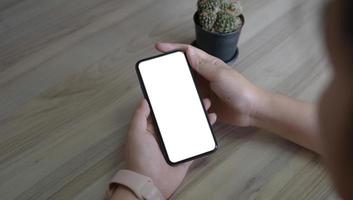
x,y
142,186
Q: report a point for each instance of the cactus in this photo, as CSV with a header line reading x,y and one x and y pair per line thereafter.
x,y
226,23
210,5
220,16
208,18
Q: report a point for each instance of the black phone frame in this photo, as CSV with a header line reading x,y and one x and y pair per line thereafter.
x,y
160,139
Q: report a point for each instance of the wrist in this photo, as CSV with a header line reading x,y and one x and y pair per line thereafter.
x,y
122,192
153,176
261,105
142,187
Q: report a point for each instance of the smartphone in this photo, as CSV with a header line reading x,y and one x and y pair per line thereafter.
x,y
181,120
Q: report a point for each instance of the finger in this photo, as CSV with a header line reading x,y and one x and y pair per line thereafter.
x,y
203,63
150,127
206,103
165,47
188,164
212,117
193,54
210,69
139,120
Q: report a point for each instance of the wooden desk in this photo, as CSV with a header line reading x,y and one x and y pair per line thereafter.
x,y
68,89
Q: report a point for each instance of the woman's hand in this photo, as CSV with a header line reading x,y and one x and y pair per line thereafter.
x,y
144,156
233,97
237,101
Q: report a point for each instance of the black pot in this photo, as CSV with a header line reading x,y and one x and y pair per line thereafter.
x,y
222,46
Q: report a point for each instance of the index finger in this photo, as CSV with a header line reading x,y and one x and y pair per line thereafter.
x,y
206,65
193,54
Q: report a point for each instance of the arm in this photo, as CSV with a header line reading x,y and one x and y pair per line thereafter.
x,y
238,102
289,118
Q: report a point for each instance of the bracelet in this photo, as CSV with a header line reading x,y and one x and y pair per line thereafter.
x,y
142,186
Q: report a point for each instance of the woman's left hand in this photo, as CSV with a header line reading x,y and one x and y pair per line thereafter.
x,y
144,156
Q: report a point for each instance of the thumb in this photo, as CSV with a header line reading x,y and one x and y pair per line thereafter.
x,y
139,120
188,164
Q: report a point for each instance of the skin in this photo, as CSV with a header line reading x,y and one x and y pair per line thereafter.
x,y
144,156
336,105
235,100
324,128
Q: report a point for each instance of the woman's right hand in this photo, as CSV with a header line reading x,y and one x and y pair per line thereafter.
x,y
234,99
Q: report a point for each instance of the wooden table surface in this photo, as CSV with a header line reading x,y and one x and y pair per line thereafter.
x,y
68,89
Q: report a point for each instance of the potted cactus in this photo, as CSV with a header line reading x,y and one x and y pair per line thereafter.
x,y
218,24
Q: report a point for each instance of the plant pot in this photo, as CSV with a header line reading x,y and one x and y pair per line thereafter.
x,y
222,46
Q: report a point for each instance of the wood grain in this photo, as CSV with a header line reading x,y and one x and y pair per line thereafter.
x,y
68,89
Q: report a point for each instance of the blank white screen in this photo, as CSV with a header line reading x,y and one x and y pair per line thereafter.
x,y
177,107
